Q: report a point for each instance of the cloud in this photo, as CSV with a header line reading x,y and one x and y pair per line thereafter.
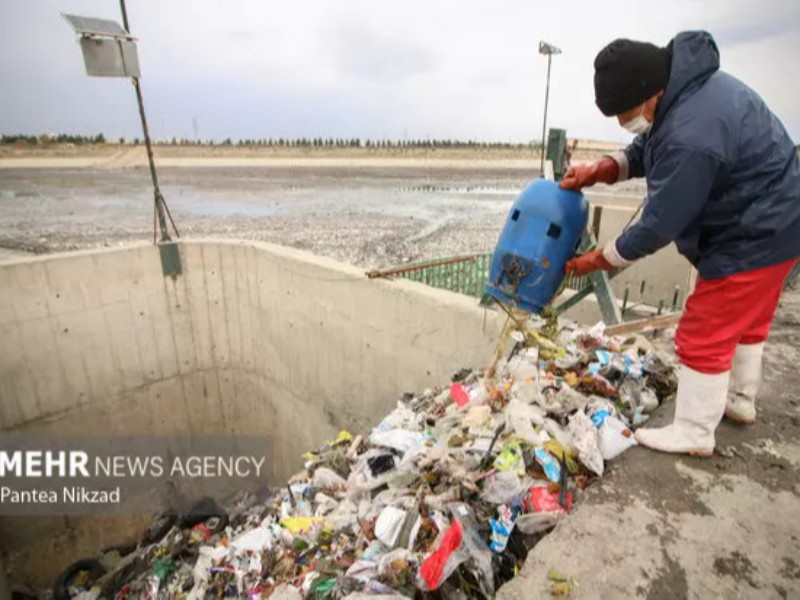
x,y
396,68
361,54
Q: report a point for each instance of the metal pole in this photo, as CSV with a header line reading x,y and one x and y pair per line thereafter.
x,y
544,121
159,199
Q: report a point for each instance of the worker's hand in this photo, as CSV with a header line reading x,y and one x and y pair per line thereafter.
x,y
587,263
605,170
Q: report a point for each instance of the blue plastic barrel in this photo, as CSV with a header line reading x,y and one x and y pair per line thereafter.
x,y
543,231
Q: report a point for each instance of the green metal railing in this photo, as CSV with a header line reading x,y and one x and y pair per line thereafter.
x,y
466,274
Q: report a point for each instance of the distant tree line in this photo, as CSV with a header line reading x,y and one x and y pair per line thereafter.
x,y
304,142
62,138
319,142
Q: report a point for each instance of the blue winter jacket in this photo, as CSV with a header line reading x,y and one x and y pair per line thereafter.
x,y
723,176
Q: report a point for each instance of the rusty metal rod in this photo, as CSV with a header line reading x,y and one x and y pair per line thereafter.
x,y
435,263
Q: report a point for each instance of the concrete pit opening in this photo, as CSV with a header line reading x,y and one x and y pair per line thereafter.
x,y
249,339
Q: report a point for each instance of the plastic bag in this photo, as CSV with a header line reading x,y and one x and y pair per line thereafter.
x,y
584,434
401,440
549,464
253,540
521,417
475,545
613,438
530,523
302,524
637,396
502,487
542,500
363,570
565,400
561,434
477,416
459,394
327,478
401,417
443,561
389,525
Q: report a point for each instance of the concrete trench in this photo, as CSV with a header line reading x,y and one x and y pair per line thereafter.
x,y
251,338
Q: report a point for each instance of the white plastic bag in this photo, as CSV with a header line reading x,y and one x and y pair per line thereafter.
x,y
389,525
613,438
584,434
521,417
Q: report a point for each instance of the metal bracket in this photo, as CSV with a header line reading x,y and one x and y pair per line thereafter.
x,y
171,264
600,286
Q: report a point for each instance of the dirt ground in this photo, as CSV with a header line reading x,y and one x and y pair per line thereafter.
x,y
658,526
371,213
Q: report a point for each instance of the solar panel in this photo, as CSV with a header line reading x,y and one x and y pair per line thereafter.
x,y
89,26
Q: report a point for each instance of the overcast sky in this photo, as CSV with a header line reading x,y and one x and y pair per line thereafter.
x,y
466,69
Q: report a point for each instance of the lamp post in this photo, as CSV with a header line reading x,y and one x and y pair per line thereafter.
x,y
549,50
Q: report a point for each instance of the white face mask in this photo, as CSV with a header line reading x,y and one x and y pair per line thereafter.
x,y
638,125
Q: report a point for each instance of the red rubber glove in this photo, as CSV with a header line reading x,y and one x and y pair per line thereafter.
x,y
588,263
605,170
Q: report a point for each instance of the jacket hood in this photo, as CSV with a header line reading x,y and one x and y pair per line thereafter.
x,y
695,58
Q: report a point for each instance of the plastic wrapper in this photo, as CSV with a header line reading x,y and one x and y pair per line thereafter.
x,y
459,395
584,433
549,464
510,458
299,525
501,529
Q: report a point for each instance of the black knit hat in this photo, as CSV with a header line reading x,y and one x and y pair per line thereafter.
x,y
626,73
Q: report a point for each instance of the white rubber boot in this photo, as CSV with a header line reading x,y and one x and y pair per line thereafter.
x,y
745,382
699,406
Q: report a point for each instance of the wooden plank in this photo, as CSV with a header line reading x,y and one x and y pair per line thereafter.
x,y
660,322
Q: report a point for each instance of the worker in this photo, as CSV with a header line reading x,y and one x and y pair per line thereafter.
x,y
723,183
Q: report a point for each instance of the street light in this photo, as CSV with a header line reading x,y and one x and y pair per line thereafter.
x,y
549,50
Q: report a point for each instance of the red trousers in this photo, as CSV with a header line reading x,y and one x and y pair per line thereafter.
x,y
725,312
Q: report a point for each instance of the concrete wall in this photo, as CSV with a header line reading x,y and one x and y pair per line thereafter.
x,y
252,338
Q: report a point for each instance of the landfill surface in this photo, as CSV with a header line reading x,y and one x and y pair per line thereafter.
x,y
444,498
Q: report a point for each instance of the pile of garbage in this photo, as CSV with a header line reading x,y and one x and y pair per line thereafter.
x,y
443,498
